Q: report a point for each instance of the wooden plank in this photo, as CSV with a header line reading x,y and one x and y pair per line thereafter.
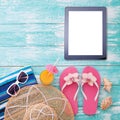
x,y
45,34
50,11
36,3
113,34
31,35
20,56
112,113
109,71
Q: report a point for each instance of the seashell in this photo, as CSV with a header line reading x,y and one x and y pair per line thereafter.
x,y
107,84
106,103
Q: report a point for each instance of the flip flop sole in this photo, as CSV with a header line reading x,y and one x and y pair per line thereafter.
x,y
90,105
70,90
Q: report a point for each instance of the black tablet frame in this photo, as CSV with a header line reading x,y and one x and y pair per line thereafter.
x,y
66,34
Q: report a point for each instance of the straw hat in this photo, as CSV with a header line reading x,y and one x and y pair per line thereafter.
x,y
29,98
40,112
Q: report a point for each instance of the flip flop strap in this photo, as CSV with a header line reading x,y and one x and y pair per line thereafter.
x,y
70,79
92,80
96,96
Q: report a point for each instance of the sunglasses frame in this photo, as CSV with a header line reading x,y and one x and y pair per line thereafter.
x,y
17,83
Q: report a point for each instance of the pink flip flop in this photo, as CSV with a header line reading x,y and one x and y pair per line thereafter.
x,y
90,88
69,84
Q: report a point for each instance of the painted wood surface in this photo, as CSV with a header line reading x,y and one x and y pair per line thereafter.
x,y
32,33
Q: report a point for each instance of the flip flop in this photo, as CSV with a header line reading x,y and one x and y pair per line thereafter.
x,y
90,88
69,84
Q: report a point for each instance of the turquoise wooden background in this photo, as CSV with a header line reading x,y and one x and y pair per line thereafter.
x,y
32,33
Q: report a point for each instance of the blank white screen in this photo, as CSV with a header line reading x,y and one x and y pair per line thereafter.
x,y
85,33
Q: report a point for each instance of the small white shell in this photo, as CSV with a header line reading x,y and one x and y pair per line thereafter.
x,y
106,103
107,84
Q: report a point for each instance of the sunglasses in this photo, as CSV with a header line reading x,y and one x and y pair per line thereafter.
x,y
14,88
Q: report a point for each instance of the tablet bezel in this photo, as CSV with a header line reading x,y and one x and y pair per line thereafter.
x,y
66,34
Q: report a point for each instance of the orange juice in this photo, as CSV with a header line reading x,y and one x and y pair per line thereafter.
x,y
46,77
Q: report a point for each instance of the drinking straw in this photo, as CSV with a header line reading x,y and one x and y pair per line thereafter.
x,y
53,66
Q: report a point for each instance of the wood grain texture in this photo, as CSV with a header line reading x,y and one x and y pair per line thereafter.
x,y
44,35
50,11
13,56
111,114
32,33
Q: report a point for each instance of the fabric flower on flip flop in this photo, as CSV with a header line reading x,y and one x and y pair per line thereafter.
x,y
88,78
70,78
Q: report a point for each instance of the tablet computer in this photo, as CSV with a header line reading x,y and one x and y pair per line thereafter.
x,y
85,33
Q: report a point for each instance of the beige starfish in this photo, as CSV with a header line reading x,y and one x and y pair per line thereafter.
x,y
107,84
